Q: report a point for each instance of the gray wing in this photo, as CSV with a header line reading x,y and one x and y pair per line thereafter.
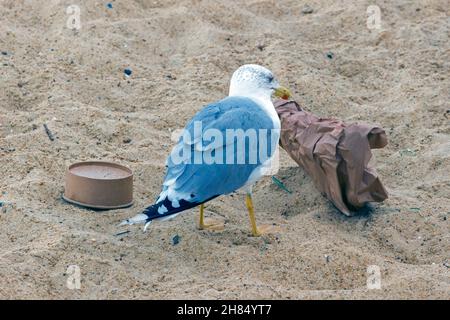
x,y
198,182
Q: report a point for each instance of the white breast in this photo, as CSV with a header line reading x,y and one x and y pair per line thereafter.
x,y
269,166
268,107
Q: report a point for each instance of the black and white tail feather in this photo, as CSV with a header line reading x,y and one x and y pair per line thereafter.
x,y
163,210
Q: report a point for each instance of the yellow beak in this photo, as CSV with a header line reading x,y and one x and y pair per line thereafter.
x,y
282,92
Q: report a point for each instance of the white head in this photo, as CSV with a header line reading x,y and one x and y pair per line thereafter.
x,y
252,80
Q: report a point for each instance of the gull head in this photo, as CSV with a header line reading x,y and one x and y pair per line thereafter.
x,y
252,80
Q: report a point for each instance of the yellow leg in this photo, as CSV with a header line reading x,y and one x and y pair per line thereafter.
x,y
202,217
251,213
262,229
213,225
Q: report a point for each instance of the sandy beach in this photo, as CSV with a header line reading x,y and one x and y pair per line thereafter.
x,y
182,55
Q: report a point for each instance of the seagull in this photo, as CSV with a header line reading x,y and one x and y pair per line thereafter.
x,y
228,145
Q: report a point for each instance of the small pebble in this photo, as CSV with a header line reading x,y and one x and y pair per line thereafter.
x,y
4,53
109,5
261,47
128,72
307,9
330,55
127,140
176,240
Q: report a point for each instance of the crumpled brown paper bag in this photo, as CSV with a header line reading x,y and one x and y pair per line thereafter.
x,y
334,154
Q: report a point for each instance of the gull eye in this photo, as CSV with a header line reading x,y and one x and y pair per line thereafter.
x,y
270,78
